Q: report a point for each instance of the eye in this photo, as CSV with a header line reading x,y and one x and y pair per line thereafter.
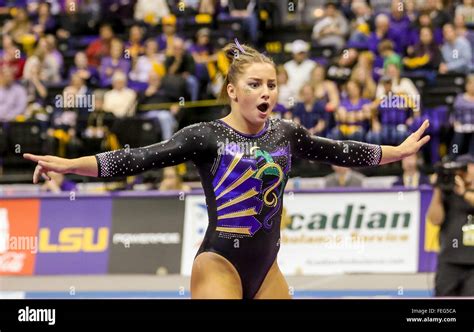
x,y
254,85
271,86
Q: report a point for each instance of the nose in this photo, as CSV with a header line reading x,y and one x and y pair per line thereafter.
x,y
266,93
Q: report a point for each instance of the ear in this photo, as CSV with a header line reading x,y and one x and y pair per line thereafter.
x,y
231,92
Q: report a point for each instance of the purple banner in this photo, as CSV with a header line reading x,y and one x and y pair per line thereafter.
x,y
74,235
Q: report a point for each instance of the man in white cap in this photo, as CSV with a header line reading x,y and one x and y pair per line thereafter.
x,y
299,69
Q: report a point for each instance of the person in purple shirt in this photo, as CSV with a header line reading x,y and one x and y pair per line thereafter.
x,y
44,23
351,116
309,113
113,63
424,21
88,73
399,26
463,116
13,96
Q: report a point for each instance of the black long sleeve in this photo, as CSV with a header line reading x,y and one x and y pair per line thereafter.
x,y
185,145
340,153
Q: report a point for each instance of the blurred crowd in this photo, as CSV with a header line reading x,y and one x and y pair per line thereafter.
x,y
76,66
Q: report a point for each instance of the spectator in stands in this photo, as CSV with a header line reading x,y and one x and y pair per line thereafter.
x,y
341,70
113,63
388,54
100,47
286,95
463,140
151,61
309,113
134,46
204,56
120,100
360,24
151,11
351,116
325,91
392,115
155,94
44,23
19,27
58,184
166,39
466,10
53,52
437,12
463,31
87,72
456,51
343,177
299,69
35,87
399,26
73,23
364,79
332,29
181,63
411,177
207,7
11,57
425,55
246,10
172,180
12,95
424,21
50,67
382,24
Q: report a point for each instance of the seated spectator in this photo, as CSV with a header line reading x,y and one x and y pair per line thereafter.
x,y
155,94
341,70
151,12
113,63
463,140
11,57
456,51
120,101
100,48
36,88
247,11
382,25
364,79
12,95
325,91
44,23
309,113
466,10
204,57
172,180
19,27
151,61
399,26
424,21
87,72
332,29
360,24
182,64
425,55
300,67
343,177
392,116
50,67
166,39
58,183
463,31
286,95
351,116
388,54
134,46
411,177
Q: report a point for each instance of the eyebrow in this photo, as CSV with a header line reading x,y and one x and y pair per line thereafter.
x,y
259,79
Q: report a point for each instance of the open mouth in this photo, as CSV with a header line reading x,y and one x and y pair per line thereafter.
x,y
263,107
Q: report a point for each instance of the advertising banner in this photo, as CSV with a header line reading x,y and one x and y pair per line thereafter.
x,y
18,235
74,235
146,235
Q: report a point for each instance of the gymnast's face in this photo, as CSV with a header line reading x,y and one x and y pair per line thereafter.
x,y
255,92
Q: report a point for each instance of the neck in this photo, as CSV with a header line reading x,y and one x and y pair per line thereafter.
x,y
410,172
236,121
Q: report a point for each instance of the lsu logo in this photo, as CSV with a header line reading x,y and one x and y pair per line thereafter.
x,y
74,239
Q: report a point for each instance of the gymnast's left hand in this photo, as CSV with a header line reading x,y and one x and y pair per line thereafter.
x,y
413,143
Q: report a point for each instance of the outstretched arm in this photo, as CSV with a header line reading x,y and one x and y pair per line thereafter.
x,y
186,144
352,153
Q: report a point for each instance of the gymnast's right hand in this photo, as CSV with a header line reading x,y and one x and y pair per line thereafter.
x,y
48,164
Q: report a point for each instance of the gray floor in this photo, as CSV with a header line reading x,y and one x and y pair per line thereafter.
x,y
420,281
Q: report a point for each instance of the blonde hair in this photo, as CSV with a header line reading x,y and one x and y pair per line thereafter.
x,y
238,61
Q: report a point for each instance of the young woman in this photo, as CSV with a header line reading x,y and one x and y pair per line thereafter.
x,y
243,180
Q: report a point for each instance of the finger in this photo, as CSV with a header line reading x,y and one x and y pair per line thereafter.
x,y
422,128
46,176
423,141
37,173
34,157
